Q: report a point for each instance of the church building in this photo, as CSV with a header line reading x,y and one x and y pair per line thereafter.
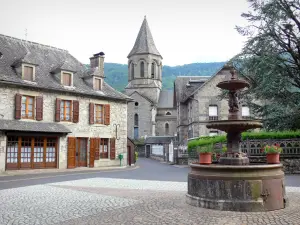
x,y
153,112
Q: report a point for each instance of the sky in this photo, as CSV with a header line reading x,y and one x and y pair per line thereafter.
x,y
184,32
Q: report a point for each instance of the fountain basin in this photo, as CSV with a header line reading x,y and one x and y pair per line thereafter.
x,y
247,188
233,85
234,125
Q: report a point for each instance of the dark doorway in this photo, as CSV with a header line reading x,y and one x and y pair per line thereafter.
x,y
147,151
129,155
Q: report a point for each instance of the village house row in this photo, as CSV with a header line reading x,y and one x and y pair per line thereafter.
x,y
56,112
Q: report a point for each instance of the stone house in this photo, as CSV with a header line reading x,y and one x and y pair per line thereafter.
x,y
56,112
152,112
197,103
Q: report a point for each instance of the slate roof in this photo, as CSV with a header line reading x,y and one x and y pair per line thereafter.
x,y
184,88
144,43
166,99
16,125
159,140
47,59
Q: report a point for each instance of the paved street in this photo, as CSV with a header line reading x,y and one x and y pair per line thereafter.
x,y
154,193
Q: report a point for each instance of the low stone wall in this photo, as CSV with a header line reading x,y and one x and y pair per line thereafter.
x,y
182,161
291,166
157,157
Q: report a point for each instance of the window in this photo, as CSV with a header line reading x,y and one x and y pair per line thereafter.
x,y
136,104
132,70
97,84
31,152
28,73
136,133
65,110
168,113
99,115
27,107
213,133
136,120
67,79
167,129
142,69
152,70
213,112
103,148
245,112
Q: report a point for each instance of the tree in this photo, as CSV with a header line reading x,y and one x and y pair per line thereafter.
x,y
270,60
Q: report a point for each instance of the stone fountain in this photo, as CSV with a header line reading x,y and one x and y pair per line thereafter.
x,y
233,184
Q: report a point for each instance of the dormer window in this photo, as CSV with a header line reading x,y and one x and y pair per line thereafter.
x,y
67,79
28,72
97,84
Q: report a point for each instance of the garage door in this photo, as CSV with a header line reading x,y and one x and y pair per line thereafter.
x,y
31,152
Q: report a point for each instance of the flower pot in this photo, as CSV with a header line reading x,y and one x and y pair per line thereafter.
x,y
273,158
205,158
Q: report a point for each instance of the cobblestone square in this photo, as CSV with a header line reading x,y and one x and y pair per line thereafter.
x,y
124,201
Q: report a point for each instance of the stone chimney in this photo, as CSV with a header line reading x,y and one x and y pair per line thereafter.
x,y
97,61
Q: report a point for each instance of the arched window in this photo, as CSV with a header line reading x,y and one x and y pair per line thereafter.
x,y
152,70
132,70
136,120
142,69
168,113
136,126
167,129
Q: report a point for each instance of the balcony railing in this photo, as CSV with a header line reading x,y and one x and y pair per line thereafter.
x,y
213,117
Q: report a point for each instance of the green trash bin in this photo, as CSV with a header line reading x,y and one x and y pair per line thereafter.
x,y
120,156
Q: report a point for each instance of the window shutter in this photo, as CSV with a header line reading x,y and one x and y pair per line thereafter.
x,y
112,148
97,151
57,110
106,114
92,119
93,144
18,106
39,108
71,152
75,111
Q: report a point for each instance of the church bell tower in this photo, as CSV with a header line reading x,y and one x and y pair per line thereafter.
x,y
145,66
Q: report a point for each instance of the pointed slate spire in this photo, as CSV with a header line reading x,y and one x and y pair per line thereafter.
x,y
144,43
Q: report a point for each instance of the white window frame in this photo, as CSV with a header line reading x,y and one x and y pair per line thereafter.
x,y
213,110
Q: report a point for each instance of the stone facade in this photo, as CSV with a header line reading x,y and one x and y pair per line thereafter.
x,y
80,129
166,122
193,109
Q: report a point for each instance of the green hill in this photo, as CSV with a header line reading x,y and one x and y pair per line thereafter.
x,y
116,74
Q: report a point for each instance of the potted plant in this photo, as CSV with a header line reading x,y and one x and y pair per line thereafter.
x,y
205,154
272,152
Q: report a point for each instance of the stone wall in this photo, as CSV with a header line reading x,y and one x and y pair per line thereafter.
x,y
162,119
144,113
3,141
118,115
291,166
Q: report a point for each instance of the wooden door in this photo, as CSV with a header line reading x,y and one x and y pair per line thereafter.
x,y
129,156
71,152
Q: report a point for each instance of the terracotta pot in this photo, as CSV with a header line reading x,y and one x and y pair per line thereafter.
x,y
205,158
273,158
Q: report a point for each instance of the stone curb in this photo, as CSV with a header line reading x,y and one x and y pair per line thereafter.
x,y
59,171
